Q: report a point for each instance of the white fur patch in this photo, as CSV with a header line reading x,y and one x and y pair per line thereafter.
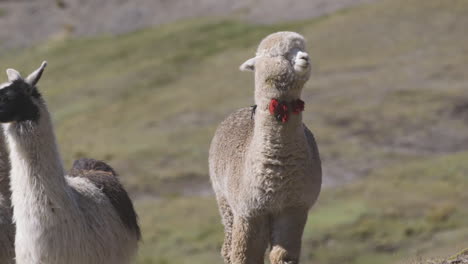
x,y
4,85
302,62
248,65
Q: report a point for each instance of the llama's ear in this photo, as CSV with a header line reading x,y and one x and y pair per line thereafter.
x,y
13,75
34,77
248,65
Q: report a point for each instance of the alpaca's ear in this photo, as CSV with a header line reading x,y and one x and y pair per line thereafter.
x,y
13,75
248,65
34,77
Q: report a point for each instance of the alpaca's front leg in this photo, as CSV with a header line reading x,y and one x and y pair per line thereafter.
x,y
228,219
249,240
287,228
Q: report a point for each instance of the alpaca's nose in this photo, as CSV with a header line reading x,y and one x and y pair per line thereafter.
x,y
302,63
302,59
303,56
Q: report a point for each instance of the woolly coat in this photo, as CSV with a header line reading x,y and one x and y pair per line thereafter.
x,y
84,217
264,163
264,173
257,164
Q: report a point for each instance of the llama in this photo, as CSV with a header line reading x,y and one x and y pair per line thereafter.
x,y
263,161
83,217
7,228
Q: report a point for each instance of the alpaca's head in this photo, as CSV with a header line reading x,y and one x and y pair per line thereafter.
x,y
19,97
281,65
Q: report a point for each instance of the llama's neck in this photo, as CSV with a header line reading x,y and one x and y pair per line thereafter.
x,y
4,172
37,174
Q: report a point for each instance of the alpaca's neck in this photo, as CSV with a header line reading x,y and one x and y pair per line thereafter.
x,y
268,130
37,174
264,93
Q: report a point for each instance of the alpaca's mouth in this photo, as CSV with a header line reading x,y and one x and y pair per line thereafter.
x,y
303,63
301,66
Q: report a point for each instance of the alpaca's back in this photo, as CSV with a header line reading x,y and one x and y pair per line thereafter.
x,y
227,151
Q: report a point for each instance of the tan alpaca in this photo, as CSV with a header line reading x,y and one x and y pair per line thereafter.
x,y
264,162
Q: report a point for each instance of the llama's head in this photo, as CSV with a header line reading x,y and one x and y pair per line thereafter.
x,y
281,65
19,97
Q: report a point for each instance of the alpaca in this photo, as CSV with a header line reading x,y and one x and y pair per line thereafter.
x,y
83,217
7,228
264,163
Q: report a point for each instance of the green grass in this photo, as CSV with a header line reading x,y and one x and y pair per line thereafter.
x,y
393,215
3,12
180,230
406,209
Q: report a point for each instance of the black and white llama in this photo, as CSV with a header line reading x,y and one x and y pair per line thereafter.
x,y
84,217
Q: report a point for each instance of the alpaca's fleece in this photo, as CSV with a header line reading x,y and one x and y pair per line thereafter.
x,y
7,228
267,174
60,219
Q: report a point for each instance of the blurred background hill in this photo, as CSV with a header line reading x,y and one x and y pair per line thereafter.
x,y
40,20
143,84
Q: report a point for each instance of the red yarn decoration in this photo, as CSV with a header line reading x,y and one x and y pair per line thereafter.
x,y
273,105
297,106
280,110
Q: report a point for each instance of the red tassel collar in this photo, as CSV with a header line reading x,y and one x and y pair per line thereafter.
x,y
280,109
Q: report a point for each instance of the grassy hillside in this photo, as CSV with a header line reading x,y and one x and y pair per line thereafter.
x,y
394,216
388,86
387,103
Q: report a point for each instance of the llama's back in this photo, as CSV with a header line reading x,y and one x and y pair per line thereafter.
x,y
105,178
227,150
84,165
111,232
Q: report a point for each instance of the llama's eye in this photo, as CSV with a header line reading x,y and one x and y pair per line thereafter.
x,y
9,97
5,99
